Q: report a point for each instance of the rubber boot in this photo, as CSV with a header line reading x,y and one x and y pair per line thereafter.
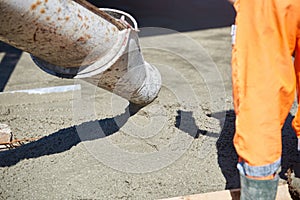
x,y
252,189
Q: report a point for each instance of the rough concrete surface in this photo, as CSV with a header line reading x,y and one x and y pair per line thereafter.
x,y
60,165
94,145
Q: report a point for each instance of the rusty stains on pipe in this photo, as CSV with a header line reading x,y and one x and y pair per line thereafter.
x,y
69,41
102,14
61,32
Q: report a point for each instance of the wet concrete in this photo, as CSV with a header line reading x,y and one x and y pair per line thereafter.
x,y
67,162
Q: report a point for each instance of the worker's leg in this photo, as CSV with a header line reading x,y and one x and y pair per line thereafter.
x,y
263,89
295,183
296,121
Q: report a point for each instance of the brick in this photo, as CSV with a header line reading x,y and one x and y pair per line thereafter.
x,y
5,133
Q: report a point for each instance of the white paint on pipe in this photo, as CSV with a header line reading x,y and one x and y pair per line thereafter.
x,y
47,90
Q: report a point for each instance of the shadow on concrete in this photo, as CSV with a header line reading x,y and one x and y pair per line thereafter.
x,y
228,158
188,15
186,122
289,147
8,63
65,139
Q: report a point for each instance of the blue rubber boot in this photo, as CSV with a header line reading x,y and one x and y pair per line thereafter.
x,y
252,189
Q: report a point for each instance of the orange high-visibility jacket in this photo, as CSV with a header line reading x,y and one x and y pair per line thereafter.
x,y
265,77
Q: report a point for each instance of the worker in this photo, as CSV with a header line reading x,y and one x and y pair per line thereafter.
x,y
265,78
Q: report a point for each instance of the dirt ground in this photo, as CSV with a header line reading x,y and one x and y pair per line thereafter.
x,y
93,145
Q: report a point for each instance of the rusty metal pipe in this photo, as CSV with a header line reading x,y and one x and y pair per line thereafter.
x,y
70,41
61,32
